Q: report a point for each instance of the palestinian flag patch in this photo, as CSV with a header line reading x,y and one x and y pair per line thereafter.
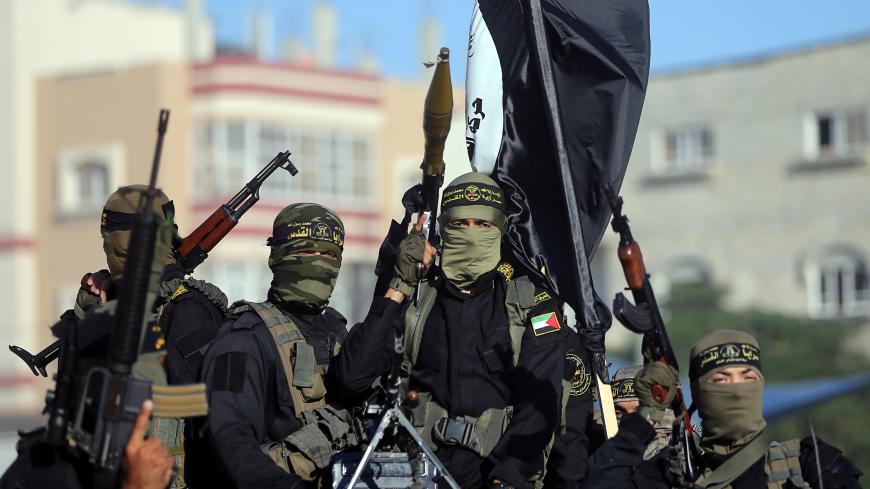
x,y
545,323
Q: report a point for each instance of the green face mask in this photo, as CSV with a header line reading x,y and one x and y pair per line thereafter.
x,y
469,253
304,280
730,414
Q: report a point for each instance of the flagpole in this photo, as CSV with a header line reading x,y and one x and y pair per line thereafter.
x,y
541,58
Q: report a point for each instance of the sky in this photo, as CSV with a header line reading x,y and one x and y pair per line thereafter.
x,y
685,33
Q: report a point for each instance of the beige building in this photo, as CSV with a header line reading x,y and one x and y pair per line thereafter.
x,y
90,127
754,176
65,40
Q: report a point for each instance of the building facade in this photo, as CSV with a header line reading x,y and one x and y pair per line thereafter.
x,y
63,39
754,176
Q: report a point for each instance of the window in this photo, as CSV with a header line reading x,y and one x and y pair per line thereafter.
x,y
838,134
239,279
86,177
334,165
838,285
686,150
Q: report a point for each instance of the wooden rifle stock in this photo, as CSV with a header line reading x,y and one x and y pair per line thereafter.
x,y
643,317
632,264
209,233
194,249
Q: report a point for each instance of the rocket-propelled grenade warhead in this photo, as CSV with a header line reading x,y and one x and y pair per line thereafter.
x,y
437,113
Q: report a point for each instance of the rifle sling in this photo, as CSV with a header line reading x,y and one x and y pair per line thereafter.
x,y
735,465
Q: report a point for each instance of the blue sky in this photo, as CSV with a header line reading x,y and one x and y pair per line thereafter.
x,y
684,32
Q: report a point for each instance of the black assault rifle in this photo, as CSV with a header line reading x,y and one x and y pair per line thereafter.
x,y
644,317
93,409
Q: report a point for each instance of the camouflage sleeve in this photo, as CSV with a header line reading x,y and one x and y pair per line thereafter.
x,y
537,397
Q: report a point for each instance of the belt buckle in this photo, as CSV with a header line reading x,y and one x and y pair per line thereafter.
x,y
454,431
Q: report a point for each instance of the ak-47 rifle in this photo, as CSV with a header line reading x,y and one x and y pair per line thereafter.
x,y
190,251
644,317
94,405
194,249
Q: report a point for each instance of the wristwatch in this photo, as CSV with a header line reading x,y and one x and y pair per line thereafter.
x,y
501,485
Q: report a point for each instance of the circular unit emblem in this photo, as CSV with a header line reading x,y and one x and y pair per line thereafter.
x,y
472,193
582,379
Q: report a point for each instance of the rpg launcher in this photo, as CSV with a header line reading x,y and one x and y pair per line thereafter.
x,y
644,317
423,197
194,249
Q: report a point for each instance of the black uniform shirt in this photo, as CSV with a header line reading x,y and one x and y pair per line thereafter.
x,y
619,463
465,360
451,364
249,401
189,323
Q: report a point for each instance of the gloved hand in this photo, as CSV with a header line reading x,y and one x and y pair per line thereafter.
x,y
93,291
416,255
406,273
656,387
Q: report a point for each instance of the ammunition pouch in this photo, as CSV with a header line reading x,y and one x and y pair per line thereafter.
x,y
309,449
478,434
783,466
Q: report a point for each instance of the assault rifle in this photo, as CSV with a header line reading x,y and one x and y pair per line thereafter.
x,y
194,249
644,317
95,403
190,251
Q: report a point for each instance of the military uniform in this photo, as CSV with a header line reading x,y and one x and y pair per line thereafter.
x,y
483,347
250,403
192,311
735,451
267,373
566,465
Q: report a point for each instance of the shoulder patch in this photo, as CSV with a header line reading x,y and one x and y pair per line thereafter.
x,y
507,271
546,323
581,379
229,372
543,296
181,289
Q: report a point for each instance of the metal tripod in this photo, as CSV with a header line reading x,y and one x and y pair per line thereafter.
x,y
395,415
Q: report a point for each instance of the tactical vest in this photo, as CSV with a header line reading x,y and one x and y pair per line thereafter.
x,y
782,466
325,429
479,434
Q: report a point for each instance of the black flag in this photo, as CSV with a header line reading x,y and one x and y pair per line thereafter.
x,y
553,99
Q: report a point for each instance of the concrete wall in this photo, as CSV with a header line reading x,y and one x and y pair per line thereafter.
x,y
765,203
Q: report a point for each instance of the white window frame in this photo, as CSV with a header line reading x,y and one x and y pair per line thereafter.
x,y
69,202
828,303
840,146
691,158
330,171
